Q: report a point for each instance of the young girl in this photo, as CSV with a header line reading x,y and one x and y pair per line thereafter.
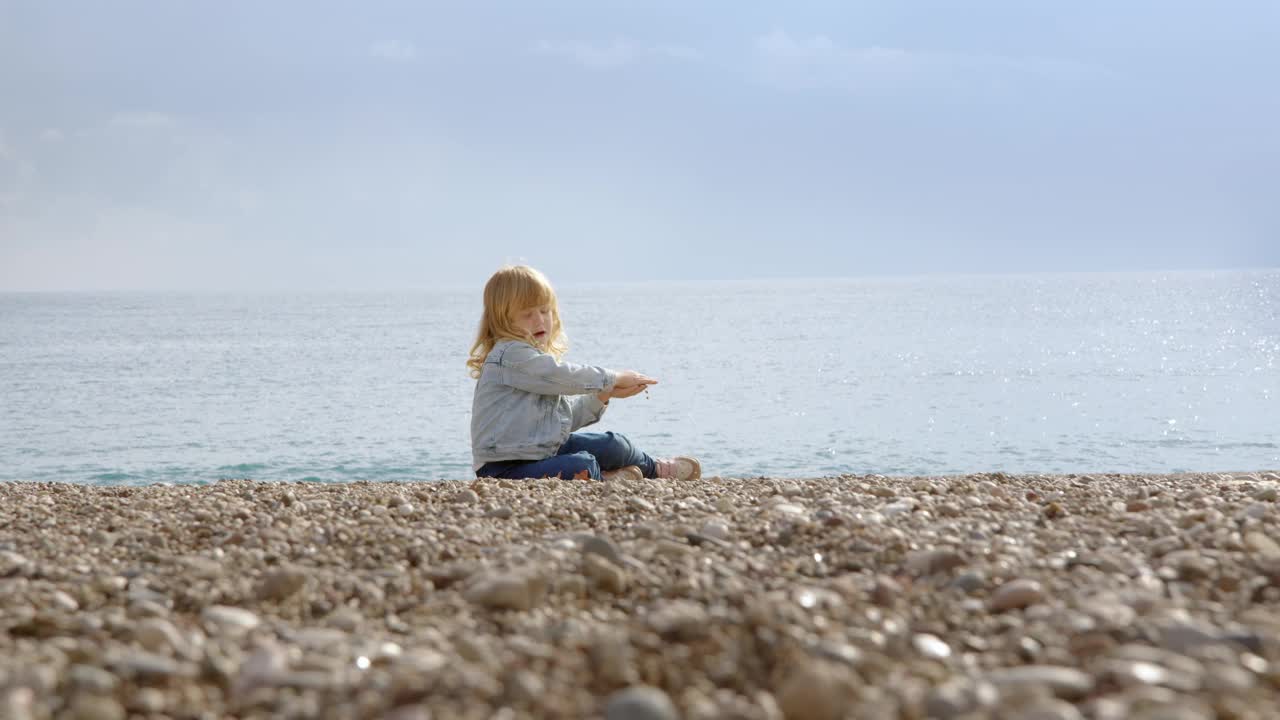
x,y
528,401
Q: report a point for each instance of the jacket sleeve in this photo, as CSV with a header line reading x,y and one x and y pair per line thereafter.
x,y
524,367
587,410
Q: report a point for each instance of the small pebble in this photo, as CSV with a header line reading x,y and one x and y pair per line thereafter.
x,y
604,574
502,591
1065,682
931,646
716,528
233,620
1016,594
604,547
89,706
639,504
814,690
640,703
282,583
92,679
1261,545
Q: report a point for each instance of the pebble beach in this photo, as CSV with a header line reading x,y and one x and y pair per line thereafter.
x,y
1015,597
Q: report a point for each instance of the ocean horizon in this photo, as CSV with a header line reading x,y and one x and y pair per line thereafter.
x,y
910,375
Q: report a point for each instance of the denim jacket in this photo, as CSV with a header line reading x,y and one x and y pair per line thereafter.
x,y
526,403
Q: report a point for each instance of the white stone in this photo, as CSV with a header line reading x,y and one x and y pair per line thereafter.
x,y
229,620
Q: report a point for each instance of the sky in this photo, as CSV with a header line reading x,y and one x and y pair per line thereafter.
x,y
159,145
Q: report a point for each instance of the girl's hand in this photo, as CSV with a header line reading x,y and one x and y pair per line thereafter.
x,y
630,378
627,384
628,392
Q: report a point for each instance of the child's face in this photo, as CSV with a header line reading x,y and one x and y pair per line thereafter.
x,y
536,321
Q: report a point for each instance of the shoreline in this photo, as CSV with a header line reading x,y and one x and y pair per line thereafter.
x,y
975,596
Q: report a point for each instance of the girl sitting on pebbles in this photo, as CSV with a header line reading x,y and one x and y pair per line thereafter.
x,y
528,401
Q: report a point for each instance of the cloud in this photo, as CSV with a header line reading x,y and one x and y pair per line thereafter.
x,y
143,119
52,135
4,147
394,51
780,44
819,61
621,51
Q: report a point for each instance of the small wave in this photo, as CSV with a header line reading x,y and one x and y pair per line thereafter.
x,y
1211,445
244,468
114,477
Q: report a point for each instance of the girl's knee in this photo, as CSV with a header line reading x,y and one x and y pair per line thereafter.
x,y
618,447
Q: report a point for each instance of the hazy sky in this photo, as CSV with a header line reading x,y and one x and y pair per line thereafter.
x,y
301,144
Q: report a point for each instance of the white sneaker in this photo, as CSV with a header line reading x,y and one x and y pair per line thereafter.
x,y
681,467
630,472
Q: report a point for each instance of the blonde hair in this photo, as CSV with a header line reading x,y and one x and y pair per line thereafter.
x,y
511,289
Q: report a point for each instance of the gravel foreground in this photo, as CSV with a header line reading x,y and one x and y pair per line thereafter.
x,y
983,596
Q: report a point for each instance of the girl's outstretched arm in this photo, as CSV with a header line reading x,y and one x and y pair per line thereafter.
x,y
524,367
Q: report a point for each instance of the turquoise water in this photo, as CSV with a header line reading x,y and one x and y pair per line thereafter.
x,y
1063,373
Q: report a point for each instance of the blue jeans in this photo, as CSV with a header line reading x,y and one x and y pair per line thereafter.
x,y
582,452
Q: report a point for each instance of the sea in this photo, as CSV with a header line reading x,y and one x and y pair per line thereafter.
x,y
1058,373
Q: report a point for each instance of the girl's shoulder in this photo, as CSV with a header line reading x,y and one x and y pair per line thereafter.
x,y
516,348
